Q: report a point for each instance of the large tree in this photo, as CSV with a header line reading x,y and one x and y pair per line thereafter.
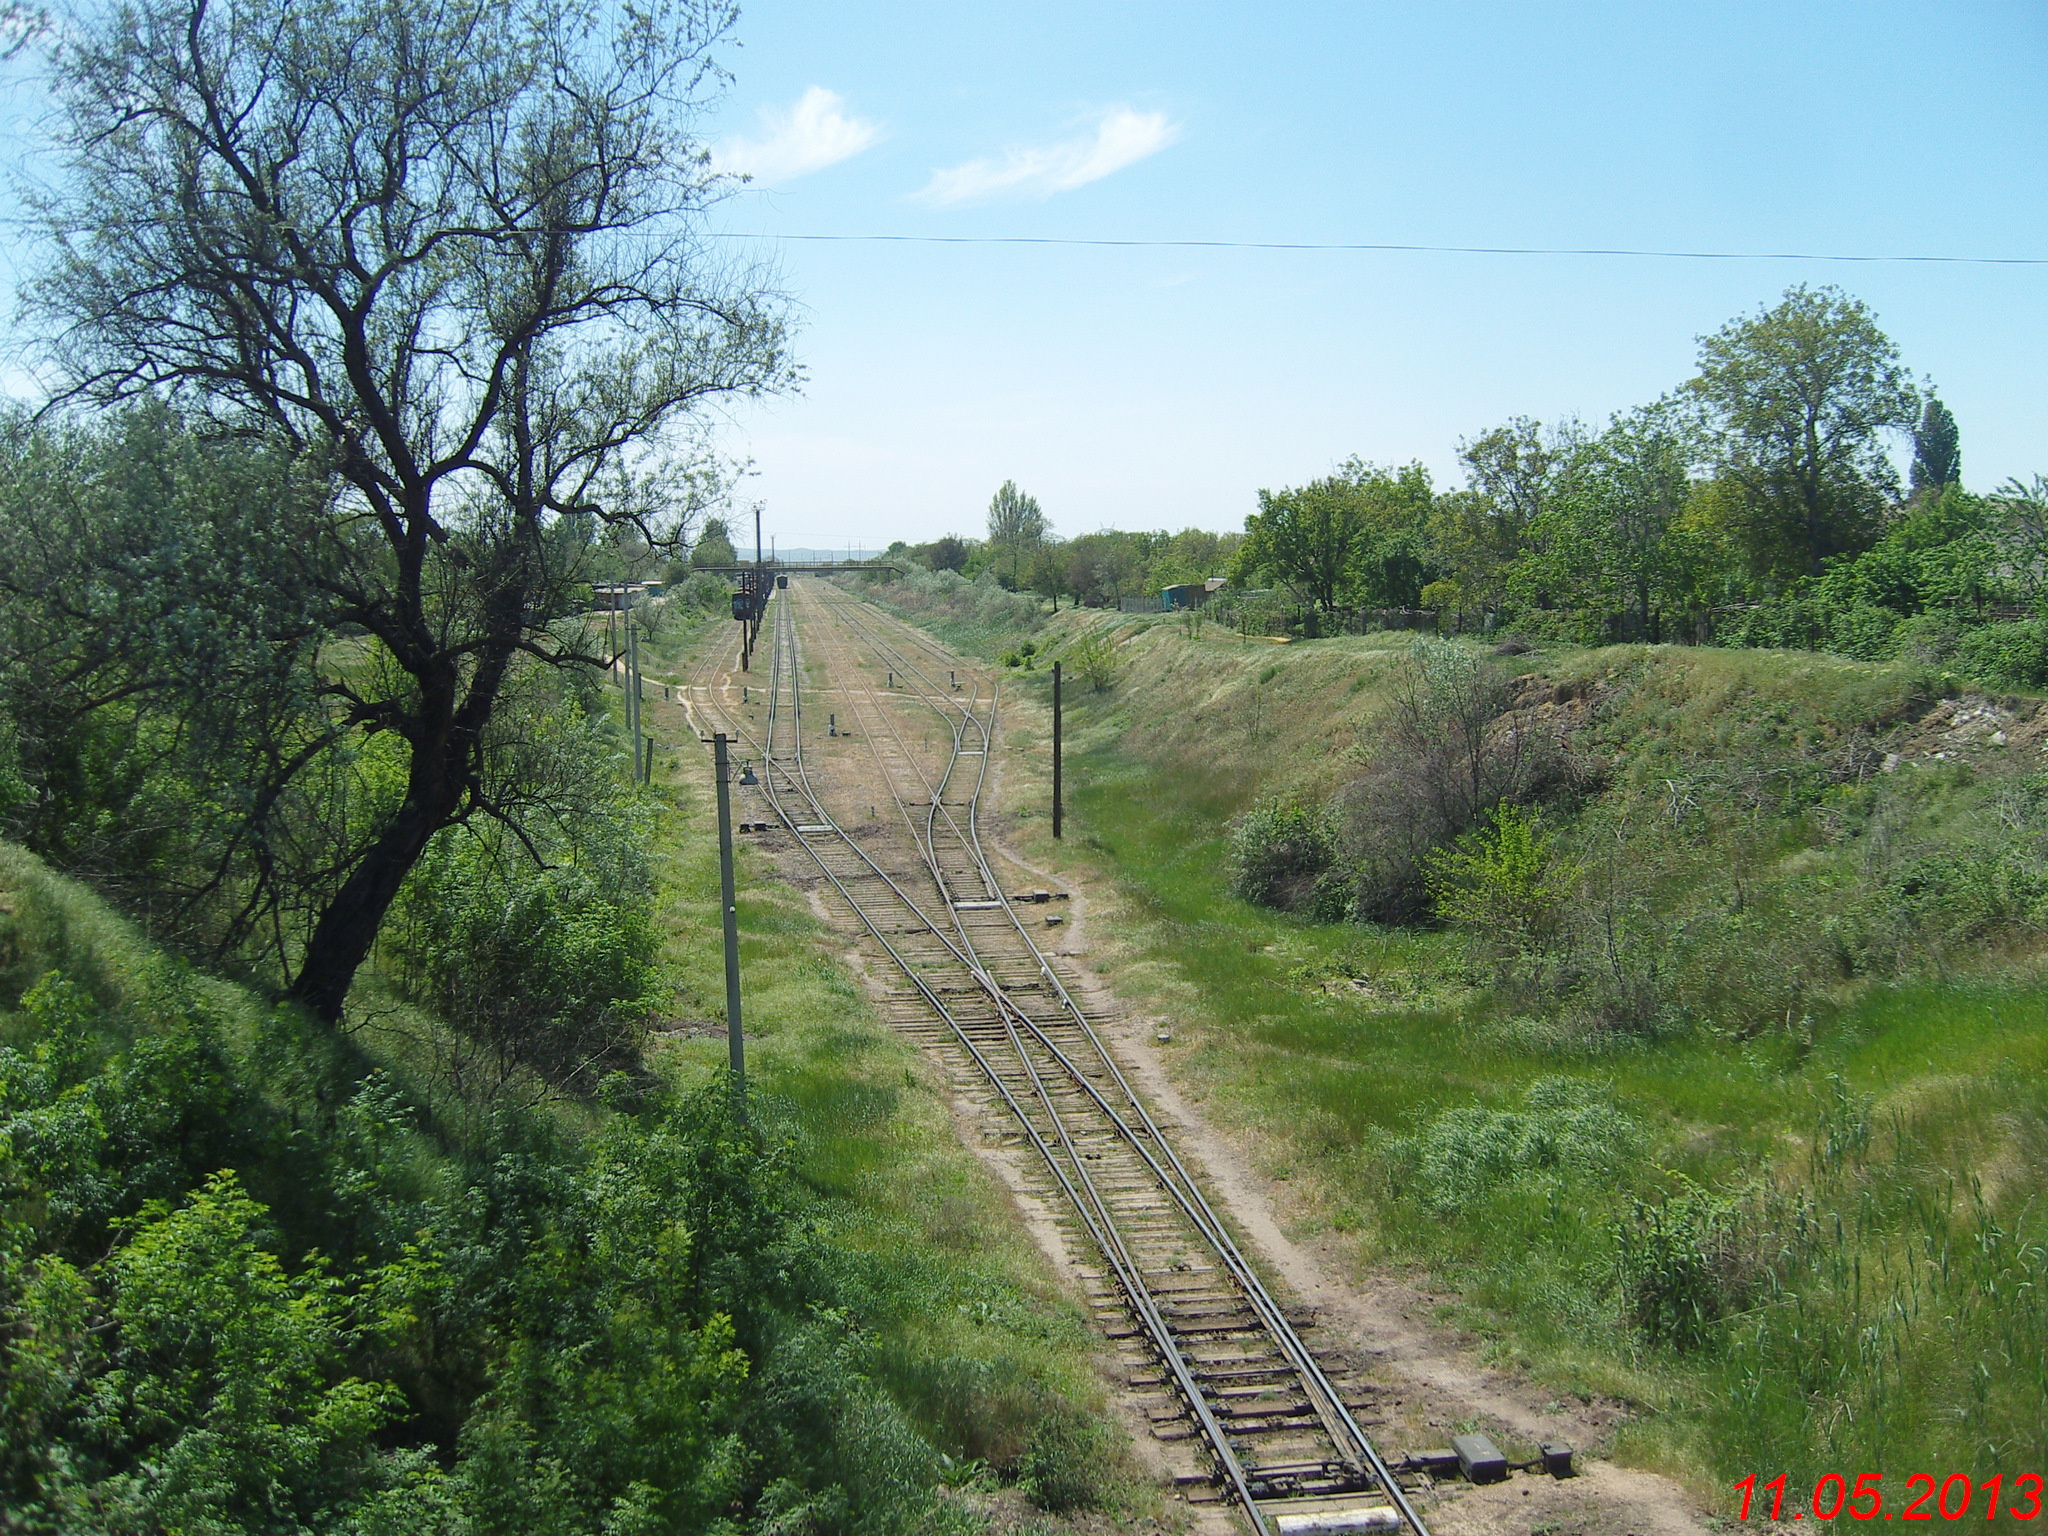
x,y
714,545
444,253
1604,543
1016,527
1514,474
1802,401
1308,538
1356,535
1937,449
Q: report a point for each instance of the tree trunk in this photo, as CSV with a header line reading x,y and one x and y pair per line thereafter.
x,y
348,926
442,745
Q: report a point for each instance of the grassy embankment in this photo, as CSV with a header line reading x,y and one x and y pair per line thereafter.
x,y
939,1303
1792,1211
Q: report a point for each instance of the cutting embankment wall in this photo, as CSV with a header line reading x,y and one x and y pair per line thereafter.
x,y
1733,1111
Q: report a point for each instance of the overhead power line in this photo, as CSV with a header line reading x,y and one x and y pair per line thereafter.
x,y
1397,249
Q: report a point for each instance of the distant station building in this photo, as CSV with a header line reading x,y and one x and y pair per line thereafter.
x,y
607,597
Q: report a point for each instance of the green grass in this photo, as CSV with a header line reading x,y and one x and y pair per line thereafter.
x,y
1866,1169
978,1341
1334,1086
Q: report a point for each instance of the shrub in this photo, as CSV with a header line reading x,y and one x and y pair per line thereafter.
x,y
553,969
1068,1465
1283,854
1499,879
1678,1270
2010,655
1094,661
1451,749
947,595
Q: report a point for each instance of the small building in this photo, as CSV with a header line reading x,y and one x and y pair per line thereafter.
x,y
1189,594
613,596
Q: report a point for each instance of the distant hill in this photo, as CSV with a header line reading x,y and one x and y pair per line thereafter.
x,y
807,556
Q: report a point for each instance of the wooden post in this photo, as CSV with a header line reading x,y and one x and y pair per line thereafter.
x,y
1055,749
735,1048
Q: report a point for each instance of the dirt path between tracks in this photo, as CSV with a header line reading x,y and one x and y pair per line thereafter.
x,y
1433,1382
1437,1384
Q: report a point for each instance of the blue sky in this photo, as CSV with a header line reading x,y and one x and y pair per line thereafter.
x,y
1163,387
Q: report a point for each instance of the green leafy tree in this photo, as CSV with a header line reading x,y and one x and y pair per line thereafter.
x,y
1605,546
443,254
1050,572
945,554
1937,450
1358,535
1801,401
1016,527
1514,475
1307,538
713,546
1104,566
162,622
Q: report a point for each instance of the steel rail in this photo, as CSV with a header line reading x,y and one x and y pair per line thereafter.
x,y
1100,1220
1328,1401
964,723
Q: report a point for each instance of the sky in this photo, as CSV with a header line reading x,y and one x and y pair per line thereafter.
x,y
1163,387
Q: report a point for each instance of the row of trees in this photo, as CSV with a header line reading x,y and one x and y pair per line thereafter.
x,y
1765,480
1097,569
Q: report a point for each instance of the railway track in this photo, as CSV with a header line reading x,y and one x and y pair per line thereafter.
x,y
1227,1365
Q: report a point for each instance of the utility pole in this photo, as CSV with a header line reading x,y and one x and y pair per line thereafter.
x,y
1055,749
736,1049
633,693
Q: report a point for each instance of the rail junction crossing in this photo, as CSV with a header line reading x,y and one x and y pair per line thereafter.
x,y
1279,1421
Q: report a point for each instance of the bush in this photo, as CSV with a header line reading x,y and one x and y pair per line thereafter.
x,y
1094,661
1068,1465
2009,655
982,605
1283,854
544,967
1499,880
1451,750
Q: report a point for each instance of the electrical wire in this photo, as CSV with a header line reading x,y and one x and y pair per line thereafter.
x,y
1391,248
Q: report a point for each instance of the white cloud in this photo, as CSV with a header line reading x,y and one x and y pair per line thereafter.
x,y
1121,138
809,136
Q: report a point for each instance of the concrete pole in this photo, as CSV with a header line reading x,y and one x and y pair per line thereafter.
x,y
1055,749
730,904
633,694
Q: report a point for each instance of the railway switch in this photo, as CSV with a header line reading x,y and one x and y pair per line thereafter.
x,y
1479,1458
1438,1464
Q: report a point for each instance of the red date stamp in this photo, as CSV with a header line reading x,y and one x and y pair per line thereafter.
x,y
1927,1498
